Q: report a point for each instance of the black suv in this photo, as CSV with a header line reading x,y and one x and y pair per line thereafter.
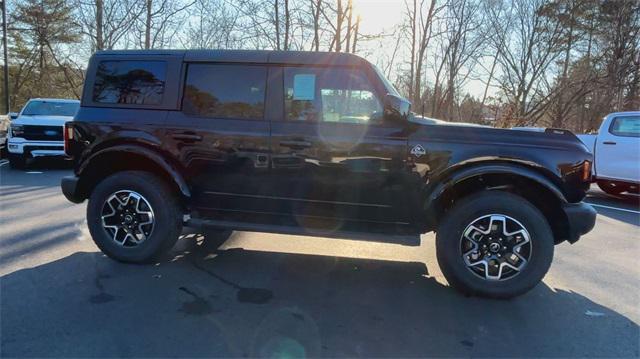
x,y
318,144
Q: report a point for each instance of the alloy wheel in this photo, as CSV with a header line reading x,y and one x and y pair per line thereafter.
x,y
495,247
128,218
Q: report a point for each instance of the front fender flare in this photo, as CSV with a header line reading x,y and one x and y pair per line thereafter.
x,y
482,169
439,187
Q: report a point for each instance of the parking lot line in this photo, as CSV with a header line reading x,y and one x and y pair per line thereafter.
x,y
616,208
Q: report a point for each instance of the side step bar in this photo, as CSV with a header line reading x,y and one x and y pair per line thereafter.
x,y
403,239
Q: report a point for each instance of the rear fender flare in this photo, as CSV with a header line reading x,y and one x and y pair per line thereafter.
x,y
138,150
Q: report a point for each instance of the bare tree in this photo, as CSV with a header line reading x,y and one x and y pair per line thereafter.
x,y
316,5
421,16
527,43
107,22
463,42
160,22
212,25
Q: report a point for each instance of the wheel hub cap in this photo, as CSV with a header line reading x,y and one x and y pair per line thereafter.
x,y
128,218
495,247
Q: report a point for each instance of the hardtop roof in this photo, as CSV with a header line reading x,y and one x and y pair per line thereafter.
x,y
248,56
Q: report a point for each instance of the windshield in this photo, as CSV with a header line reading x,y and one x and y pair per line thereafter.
x,y
390,89
50,108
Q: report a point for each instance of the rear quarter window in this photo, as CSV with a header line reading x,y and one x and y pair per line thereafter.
x,y
130,82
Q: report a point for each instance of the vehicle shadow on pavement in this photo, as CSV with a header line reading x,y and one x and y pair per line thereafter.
x,y
202,301
49,163
624,202
42,174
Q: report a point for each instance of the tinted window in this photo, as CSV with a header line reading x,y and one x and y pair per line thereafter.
x,y
626,126
225,91
50,108
130,82
330,95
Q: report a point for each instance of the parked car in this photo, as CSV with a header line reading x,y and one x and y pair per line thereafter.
x,y
616,148
4,126
38,129
316,144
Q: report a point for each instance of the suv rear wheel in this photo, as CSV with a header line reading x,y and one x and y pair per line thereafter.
x,y
134,216
494,244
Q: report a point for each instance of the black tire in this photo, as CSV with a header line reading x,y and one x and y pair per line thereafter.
x,y
612,188
18,162
455,221
214,237
4,150
167,214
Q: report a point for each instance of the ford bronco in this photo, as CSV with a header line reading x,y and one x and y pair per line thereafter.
x,y
316,144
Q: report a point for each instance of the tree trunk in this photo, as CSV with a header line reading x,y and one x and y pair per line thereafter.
x,y
412,64
486,87
147,26
349,19
355,35
287,21
424,39
338,39
276,6
99,25
316,25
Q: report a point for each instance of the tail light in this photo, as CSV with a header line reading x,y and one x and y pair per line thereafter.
x,y
68,137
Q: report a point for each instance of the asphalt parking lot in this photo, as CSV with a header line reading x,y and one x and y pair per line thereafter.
x,y
289,296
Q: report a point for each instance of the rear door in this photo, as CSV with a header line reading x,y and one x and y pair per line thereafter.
x,y
618,149
221,136
334,156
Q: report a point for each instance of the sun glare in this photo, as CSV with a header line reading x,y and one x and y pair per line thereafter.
x,y
378,15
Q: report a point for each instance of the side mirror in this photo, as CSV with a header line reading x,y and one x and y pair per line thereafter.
x,y
12,115
396,108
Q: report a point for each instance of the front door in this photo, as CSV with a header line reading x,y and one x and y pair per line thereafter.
x,y
618,149
333,155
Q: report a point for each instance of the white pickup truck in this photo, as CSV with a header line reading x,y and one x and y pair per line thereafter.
x,y
38,129
616,149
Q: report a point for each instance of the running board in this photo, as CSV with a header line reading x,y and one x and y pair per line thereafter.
x,y
403,239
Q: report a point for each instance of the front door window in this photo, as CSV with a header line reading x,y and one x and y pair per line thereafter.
x,y
335,95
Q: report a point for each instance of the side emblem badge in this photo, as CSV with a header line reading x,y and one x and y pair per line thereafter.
x,y
418,151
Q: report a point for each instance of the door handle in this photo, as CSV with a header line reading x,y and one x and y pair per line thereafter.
x,y
187,137
608,143
296,144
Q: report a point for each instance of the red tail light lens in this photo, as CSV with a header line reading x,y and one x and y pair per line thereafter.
x,y
68,136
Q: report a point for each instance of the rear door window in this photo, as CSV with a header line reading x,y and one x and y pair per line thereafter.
x,y
130,82
225,91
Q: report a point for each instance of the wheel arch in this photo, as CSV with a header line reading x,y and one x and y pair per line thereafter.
x,y
125,157
521,180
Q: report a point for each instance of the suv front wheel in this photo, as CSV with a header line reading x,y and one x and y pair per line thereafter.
x,y
134,216
494,244
17,161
